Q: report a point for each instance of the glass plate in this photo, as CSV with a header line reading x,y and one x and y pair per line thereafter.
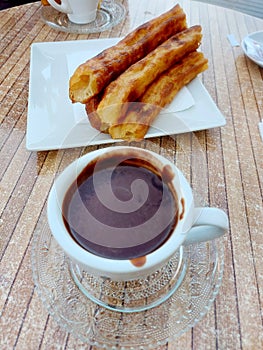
x,y
134,295
252,46
105,328
109,15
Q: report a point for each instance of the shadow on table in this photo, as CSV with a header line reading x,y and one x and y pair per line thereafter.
x,y
5,4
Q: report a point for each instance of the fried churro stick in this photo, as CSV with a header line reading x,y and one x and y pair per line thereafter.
x,y
91,110
95,74
132,84
140,115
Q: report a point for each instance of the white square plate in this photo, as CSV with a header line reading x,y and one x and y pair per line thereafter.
x,y
55,123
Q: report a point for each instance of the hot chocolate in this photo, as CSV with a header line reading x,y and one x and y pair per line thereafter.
x,y
120,208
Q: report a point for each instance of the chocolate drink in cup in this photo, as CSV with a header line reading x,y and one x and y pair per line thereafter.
x,y
120,208
128,221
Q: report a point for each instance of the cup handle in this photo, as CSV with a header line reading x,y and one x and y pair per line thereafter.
x,y
63,7
208,224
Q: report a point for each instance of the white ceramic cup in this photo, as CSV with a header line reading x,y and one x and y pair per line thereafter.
x,y
78,11
193,225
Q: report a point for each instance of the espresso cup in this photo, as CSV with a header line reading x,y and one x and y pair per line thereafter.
x,y
78,11
122,213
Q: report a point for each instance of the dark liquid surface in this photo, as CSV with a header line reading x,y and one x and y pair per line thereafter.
x,y
119,212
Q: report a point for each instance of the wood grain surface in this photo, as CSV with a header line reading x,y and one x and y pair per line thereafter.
x,y
224,166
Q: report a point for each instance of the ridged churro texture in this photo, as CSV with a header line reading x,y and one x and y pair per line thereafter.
x,y
133,83
140,115
91,77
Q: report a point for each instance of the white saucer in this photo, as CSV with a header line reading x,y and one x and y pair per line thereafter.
x,y
109,15
252,46
99,326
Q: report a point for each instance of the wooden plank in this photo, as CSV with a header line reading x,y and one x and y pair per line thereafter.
x,y
251,7
226,171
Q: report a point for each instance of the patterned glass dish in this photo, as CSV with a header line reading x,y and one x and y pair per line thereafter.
x,y
109,15
109,328
134,295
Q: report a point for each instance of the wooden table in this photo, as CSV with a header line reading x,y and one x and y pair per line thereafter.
x,y
232,178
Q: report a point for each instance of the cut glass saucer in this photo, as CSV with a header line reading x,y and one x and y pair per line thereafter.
x,y
134,295
99,326
109,15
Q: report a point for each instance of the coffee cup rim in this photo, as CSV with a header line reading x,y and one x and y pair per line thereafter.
x,y
105,267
